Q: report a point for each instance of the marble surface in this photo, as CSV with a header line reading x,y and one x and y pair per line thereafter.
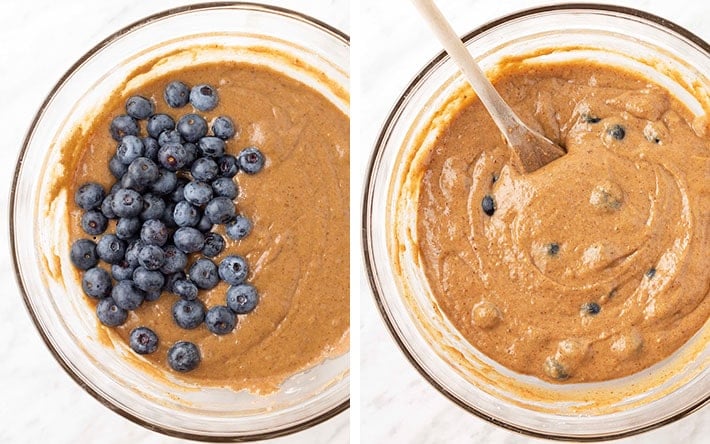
x,y
40,40
397,404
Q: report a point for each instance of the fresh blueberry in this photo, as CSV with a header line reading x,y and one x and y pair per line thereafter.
x,y
168,218
153,207
170,136
651,272
225,186
238,228
204,169
128,228
151,257
143,171
127,203
191,154
154,232
186,214
188,314
127,295
211,146
110,314
94,222
122,271
106,209
175,260
96,283
214,244
204,274
148,280
192,127
204,225
150,148
188,239
553,249
111,249
198,193
228,166
116,186
233,269
176,94
143,340
183,356
251,160
166,182
172,156
616,131
170,280
139,107
488,205
127,182
203,97
185,289
153,295
159,123
220,320
590,308
242,298
83,254
223,127
130,148
134,247
220,210
117,168
178,193
122,126
89,196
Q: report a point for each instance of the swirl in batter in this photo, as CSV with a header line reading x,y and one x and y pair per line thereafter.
x,y
593,267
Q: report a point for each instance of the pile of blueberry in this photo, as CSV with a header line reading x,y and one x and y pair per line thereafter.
x,y
172,187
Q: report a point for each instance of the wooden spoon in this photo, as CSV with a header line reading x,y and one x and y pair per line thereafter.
x,y
531,150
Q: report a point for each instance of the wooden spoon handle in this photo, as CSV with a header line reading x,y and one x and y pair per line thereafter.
x,y
530,150
494,103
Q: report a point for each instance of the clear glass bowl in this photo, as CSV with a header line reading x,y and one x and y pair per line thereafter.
x,y
661,394
39,236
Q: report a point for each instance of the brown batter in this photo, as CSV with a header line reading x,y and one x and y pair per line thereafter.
x,y
299,206
618,226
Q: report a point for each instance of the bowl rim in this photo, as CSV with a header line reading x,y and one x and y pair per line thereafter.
x,y
141,23
367,206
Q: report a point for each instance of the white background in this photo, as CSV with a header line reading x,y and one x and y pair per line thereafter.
x,y
40,39
398,406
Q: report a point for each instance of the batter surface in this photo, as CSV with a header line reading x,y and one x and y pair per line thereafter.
x,y
592,267
298,250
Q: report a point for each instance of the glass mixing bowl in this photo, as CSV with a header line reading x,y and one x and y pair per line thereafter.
x,y
671,389
223,31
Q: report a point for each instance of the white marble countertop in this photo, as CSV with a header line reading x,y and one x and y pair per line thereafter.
x,y
397,404
41,39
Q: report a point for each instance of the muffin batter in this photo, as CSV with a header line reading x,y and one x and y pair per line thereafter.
x,y
298,250
593,267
